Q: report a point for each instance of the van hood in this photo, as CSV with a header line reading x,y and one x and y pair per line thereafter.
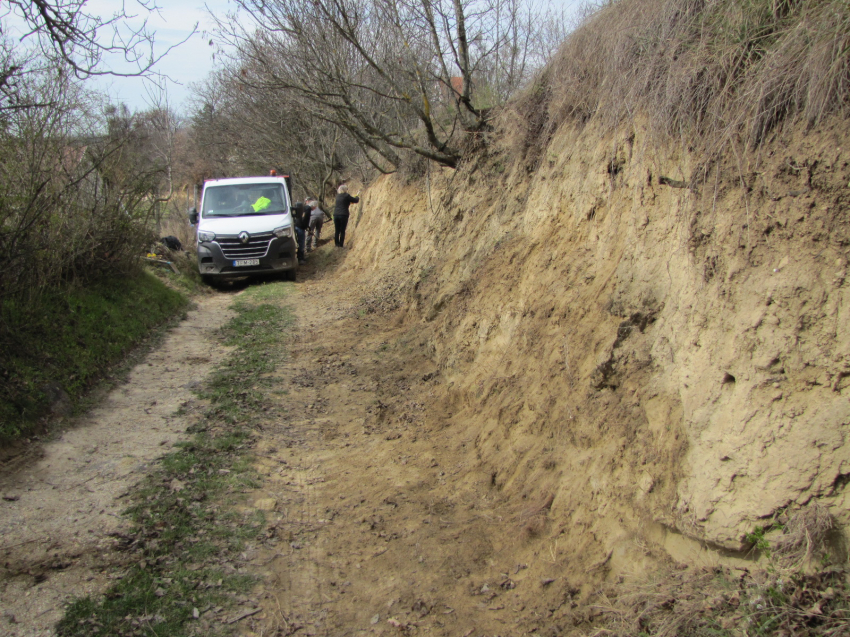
x,y
250,224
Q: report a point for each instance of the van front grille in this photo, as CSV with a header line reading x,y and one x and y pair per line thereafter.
x,y
233,248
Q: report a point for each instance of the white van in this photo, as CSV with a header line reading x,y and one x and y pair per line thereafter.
x,y
245,228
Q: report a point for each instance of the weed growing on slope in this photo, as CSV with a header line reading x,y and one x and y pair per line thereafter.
x,y
181,579
803,590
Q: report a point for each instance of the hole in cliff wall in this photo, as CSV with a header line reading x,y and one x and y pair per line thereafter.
x,y
840,481
728,379
615,166
604,376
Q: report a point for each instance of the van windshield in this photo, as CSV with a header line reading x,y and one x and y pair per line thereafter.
x,y
243,200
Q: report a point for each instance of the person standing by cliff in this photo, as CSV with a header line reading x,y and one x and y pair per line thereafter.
x,y
317,219
343,201
301,219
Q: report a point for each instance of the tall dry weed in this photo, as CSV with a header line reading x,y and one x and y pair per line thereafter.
x,y
709,72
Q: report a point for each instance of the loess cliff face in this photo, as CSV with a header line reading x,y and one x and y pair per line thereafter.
x,y
645,355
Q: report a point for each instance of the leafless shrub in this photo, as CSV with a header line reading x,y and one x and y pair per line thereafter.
x,y
712,72
394,76
79,191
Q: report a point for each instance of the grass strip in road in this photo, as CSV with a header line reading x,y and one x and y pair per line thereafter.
x,y
187,532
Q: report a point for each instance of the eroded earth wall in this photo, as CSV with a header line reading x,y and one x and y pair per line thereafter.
x,y
643,346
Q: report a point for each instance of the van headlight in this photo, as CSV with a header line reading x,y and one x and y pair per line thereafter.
x,y
283,231
204,237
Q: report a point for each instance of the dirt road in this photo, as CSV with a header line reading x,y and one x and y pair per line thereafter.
x,y
380,517
60,510
383,519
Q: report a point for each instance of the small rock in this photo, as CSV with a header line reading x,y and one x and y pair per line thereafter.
x,y
375,619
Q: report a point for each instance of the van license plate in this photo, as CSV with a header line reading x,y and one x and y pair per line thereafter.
x,y
242,262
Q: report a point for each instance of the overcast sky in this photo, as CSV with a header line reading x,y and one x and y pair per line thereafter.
x,y
191,61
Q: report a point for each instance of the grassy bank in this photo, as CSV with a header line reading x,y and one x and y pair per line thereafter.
x,y
185,531
711,75
65,340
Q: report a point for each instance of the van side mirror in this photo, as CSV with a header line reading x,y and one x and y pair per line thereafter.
x,y
193,216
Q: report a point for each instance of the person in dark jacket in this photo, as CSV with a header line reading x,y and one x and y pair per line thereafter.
x,y
301,218
343,201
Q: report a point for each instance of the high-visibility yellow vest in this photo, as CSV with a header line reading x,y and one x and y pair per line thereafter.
x,y
261,204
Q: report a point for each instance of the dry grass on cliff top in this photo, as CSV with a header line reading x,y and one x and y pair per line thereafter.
x,y
709,72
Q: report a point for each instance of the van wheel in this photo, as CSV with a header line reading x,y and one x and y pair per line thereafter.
x,y
209,280
290,275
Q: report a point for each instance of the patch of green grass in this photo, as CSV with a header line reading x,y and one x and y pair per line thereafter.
x,y
72,338
186,531
257,329
759,541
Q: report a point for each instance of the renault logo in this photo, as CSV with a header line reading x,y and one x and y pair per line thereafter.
x,y
244,238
